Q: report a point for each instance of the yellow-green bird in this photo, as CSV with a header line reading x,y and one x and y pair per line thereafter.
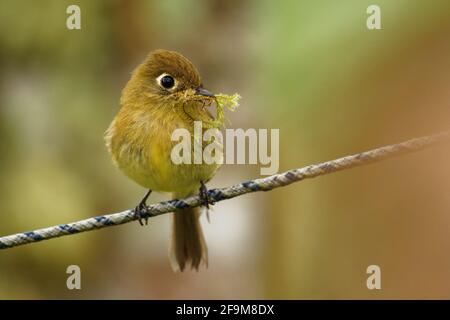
x,y
164,93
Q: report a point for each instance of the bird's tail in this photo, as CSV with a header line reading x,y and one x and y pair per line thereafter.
x,y
188,244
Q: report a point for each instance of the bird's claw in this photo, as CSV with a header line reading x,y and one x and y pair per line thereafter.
x,y
141,213
141,210
203,193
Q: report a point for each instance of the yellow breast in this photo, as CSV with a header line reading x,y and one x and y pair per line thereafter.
x,y
139,141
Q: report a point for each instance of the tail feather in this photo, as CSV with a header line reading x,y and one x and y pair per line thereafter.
x,y
188,244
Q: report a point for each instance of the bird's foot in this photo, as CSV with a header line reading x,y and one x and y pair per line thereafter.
x,y
141,210
203,193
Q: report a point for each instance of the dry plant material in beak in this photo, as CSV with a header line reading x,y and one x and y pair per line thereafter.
x,y
231,102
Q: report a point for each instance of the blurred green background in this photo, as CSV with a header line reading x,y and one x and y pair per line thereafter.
x,y
310,68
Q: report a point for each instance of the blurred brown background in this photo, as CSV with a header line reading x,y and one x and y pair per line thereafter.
x,y
310,68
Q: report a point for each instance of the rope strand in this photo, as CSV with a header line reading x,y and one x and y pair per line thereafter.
x,y
216,195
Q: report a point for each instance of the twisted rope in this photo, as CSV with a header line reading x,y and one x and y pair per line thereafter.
x,y
216,195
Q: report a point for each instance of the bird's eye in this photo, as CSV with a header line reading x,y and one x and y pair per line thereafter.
x,y
167,82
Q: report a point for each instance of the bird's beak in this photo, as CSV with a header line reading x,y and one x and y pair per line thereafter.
x,y
203,92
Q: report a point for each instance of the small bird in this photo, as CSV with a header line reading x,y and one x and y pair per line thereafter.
x,y
164,93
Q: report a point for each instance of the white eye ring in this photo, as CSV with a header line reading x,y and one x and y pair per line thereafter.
x,y
159,80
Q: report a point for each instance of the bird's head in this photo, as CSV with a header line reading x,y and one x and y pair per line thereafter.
x,y
165,78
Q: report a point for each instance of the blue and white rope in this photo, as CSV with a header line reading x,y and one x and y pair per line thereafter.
x,y
216,195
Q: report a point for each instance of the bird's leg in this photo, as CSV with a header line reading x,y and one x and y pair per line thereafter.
x,y
141,209
203,193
